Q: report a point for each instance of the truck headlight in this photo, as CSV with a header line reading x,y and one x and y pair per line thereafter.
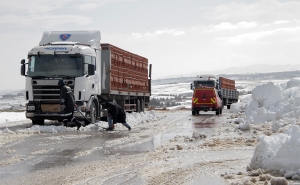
x,y
30,107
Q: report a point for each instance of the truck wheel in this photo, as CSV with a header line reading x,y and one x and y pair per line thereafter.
x,y
138,106
221,110
228,106
217,111
142,105
197,112
93,114
193,112
38,121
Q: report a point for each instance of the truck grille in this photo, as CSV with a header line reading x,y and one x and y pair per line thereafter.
x,y
48,90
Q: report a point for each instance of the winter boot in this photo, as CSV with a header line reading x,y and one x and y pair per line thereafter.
x,y
78,123
65,123
110,129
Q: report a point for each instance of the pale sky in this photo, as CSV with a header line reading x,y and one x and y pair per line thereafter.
x,y
177,36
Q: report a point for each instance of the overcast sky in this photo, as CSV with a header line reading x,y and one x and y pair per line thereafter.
x,y
177,36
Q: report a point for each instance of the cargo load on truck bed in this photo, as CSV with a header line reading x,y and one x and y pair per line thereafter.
x,y
128,71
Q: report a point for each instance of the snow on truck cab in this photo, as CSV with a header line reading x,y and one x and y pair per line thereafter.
x,y
96,73
211,94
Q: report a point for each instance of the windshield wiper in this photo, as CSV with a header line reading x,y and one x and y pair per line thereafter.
x,y
62,76
39,76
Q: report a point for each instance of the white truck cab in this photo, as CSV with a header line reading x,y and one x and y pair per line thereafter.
x,y
95,72
71,56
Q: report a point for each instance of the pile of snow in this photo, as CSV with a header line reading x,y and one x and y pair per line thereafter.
x,y
278,106
279,152
11,118
272,102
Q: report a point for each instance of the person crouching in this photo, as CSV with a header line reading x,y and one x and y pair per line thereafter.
x,y
115,114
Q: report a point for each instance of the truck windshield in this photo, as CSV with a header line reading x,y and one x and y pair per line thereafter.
x,y
199,84
55,65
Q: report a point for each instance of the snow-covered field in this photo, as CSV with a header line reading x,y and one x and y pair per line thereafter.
x,y
273,110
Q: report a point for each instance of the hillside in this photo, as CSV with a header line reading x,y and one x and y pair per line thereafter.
x,y
237,77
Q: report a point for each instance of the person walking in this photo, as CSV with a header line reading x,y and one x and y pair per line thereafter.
x,y
67,103
115,114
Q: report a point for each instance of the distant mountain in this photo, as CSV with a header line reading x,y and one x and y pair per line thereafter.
x,y
261,68
252,69
238,77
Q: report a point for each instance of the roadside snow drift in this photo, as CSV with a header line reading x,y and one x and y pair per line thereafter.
x,y
278,106
11,118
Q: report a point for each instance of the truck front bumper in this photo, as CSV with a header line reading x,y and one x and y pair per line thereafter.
x,y
204,108
52,116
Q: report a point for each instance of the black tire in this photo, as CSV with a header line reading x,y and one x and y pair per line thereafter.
x,y
197,112
217,111
93,114
142,105
228,106
138,106
38,121
193,112
221,110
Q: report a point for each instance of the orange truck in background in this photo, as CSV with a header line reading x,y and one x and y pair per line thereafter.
x,y
212,94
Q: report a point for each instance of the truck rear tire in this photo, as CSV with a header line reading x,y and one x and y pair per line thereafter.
x,y
138,105
228,106
142,105
38,121
221,110
193,112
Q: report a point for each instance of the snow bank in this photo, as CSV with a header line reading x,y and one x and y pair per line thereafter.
x,y
293,82
279,106
132,119
271,102
278,152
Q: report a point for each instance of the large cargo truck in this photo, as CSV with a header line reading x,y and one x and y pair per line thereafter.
x,y
96,73
212,94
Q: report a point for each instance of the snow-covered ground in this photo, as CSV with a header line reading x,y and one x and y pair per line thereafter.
x,y
272,104
17,118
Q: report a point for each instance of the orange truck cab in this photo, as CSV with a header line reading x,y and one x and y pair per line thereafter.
x,y
211,94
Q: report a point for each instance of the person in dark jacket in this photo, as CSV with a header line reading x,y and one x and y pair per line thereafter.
x,y
67,103
115,114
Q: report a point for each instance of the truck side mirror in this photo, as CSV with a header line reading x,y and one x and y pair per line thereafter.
x,y
91,69
192,86
220,94
23,67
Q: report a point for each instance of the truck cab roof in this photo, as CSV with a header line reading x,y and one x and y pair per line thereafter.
x,y
91,38
62,49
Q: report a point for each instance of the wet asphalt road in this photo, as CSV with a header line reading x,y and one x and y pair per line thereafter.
x,y
63,147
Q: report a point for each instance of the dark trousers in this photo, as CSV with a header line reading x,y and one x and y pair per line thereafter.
x,y
70,118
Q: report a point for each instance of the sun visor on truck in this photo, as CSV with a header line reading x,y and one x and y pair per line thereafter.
x,y
91,38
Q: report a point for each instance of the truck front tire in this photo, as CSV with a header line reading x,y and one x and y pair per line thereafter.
x,y
93,113
38,121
